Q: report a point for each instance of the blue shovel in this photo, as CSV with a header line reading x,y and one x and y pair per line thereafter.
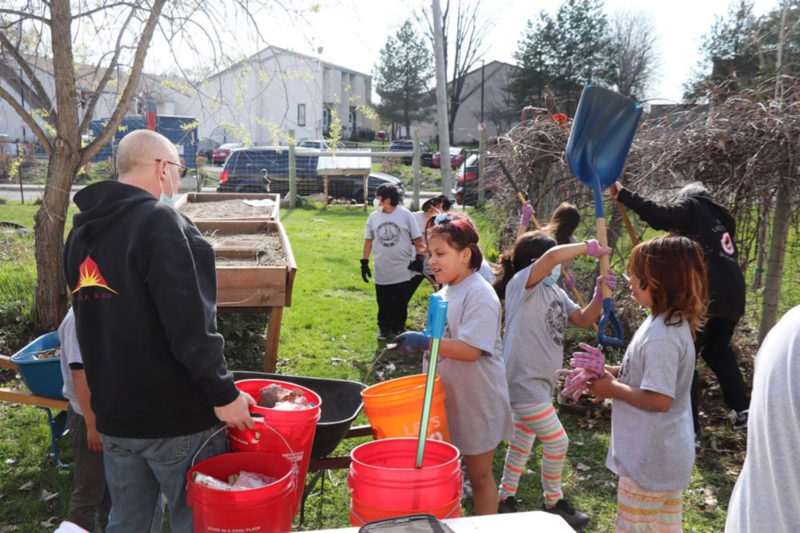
x,y
599,142
434,328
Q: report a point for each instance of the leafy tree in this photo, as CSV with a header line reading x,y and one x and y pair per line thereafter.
x,y
563,53
402,78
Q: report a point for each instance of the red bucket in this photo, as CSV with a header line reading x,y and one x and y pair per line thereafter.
x,y
265,510
383,482
297,427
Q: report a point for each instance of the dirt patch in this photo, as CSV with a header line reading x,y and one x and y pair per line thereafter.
x,y
247,249
235,208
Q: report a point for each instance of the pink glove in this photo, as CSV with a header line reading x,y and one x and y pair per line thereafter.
x,y
569,281
590,359
611,281
595,250
527,213
576,382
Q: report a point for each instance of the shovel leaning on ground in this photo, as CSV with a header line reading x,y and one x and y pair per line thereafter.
x,y
599,142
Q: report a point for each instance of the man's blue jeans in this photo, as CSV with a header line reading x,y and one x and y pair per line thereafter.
x,y
138,469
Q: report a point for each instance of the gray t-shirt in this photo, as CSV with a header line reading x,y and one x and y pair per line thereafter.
x,y
476,395
392,235
767,494
533,348
655,449
70,353
486,272
422,220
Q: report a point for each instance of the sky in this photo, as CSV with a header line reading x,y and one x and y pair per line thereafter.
x,y
352,32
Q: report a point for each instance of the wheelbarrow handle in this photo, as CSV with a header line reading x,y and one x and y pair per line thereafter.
x,y
609,318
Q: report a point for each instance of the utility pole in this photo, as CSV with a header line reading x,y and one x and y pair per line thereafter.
x,y
482,80
441,99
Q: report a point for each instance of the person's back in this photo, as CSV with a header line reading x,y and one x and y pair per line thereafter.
x,y
767,492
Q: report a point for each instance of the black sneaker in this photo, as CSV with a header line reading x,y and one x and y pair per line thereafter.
x,y
575,518
739,418
509,505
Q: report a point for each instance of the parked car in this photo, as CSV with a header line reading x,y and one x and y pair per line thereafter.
x,y
323,144
466,191
457,157
407,145
221,152
205,148
267,170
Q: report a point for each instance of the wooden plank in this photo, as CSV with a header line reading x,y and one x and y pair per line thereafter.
x,y
5,362
27,398
251,287
292,268
273,336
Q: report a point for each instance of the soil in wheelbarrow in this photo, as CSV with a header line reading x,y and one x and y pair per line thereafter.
x,y
341,403
226,209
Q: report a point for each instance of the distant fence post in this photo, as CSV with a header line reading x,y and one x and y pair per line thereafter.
x,y
482,166
415,169
292,175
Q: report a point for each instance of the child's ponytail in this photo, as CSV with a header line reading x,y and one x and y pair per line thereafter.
x,y
528,247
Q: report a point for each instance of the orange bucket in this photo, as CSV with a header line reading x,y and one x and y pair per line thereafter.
x,y
394,408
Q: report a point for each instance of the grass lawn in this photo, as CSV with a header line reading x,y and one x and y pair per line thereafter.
x,y
330,331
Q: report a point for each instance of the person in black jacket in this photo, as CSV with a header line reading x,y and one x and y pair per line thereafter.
x,y
143,284
695,214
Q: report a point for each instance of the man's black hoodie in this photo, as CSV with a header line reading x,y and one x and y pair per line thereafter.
x,y
710,224
143,284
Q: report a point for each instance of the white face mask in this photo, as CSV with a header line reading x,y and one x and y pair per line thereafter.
x,y
376,202
552,279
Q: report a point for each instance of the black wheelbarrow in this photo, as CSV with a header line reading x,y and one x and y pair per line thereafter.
x,y
341,403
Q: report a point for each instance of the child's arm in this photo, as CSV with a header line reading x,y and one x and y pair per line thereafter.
x,y
559,254
609,387
460,350
585,318
83,395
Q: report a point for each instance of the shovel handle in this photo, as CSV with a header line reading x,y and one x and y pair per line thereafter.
x,y
627,221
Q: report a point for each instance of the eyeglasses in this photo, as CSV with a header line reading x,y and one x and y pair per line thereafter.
x,y
184,169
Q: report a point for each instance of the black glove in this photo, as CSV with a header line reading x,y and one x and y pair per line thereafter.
x,y
416,264
365,272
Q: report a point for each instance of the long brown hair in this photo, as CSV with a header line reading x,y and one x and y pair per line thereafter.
x,y
563,222
528,247
672,268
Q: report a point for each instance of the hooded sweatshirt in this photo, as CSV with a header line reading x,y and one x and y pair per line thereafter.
x,y
710,224
143,284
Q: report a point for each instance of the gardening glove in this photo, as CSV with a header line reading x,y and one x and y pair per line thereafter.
x,y
416,264
576,382
569,280
411,342
595,250
590,359
527,213
365,272
611,281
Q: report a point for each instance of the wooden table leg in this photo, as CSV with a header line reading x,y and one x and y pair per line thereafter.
x,y
273,336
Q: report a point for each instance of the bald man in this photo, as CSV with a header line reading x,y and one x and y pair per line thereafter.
x,y
143,290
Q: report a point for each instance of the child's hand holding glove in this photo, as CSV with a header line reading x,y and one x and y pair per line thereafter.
x,y
594,249
527,213
586,366
611,281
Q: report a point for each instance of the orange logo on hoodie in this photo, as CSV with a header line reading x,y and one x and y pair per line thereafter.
x,y
90,276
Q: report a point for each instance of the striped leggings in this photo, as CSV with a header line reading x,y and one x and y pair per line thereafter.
x,y
640,511
530,421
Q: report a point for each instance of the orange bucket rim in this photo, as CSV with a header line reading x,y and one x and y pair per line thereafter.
x,y
413,378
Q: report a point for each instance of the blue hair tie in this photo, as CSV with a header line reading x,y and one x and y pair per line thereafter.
x,y
441,218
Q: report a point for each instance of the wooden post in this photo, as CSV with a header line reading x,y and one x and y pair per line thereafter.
x,y
415,169
325,191
366,189
292,176
481,166
273,336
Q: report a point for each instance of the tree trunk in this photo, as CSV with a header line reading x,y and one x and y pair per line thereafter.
x,y
50,296
761,244
777,253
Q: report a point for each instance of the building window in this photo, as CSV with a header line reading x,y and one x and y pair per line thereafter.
x,y
301,114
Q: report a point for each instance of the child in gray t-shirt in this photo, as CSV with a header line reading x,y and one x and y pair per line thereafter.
x,y
537,312
652,436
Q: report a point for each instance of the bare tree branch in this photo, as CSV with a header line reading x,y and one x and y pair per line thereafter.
x,y
28,118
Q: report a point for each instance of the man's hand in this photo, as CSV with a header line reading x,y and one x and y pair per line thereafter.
x,y
365,272
410,342
614,190
237,413
93,437
416,264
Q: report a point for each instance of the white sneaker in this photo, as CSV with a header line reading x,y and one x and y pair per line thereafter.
x,y
739,418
